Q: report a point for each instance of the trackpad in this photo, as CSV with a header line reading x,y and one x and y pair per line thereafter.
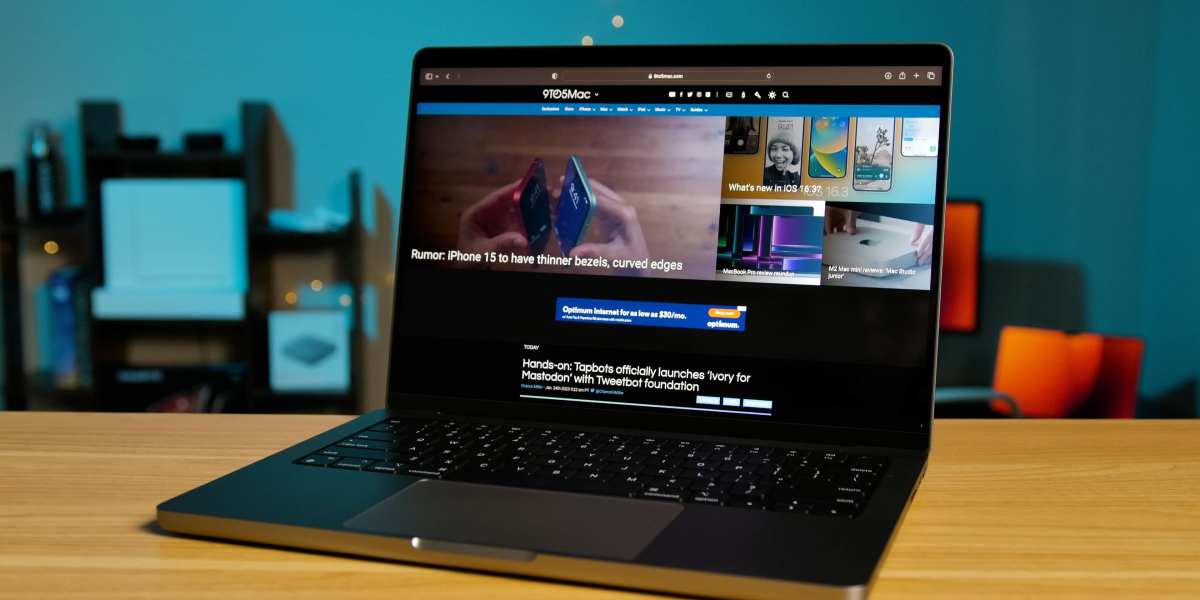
x,y
518,518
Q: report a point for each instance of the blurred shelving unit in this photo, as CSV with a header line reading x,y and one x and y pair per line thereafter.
x,y
104,345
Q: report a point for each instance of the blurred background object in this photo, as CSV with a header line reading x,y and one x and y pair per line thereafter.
x,y
1070,122
46,193
960,266
162,290
1051,373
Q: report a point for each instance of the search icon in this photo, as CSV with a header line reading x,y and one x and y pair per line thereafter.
x,y
785,96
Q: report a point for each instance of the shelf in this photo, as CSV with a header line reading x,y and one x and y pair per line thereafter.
x,y
104,164
207,324
270,400
299,241
73,218
151,155
49,389
264,166
286,395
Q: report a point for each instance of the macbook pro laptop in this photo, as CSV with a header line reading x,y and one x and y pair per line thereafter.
x,y
603,401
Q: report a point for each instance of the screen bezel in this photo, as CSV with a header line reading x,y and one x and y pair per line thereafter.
x,y
686,56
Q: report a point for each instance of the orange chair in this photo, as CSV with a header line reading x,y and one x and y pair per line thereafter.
x,y
1115,393
1051,373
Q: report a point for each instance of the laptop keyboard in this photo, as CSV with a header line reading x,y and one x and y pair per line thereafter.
x,y
655,468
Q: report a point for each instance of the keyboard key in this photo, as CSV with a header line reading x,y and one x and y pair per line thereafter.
x,y
832,510
365,444
851,492
629,469
852,479
702,475
867,463
792,505
848,503
593,476
423,471
382,436
747,502
518,470
769,470
558,473
666,482
356,464
712,497
662,493
385,467
748,490
317,460
342,452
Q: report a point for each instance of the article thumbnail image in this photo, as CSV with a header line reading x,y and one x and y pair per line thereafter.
x,y
630,196
784,136
874,143
877,245
742,134
827,147
779,244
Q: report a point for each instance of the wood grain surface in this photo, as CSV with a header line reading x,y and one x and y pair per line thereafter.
x,y
1055,509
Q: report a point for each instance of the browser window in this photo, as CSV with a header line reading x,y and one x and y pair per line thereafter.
x,y
752,243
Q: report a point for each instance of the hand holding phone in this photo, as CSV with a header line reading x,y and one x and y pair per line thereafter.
x,y
617,229
492,224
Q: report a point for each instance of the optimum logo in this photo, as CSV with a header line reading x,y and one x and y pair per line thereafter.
x,y
566,94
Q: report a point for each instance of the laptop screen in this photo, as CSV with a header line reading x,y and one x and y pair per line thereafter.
x,y
750,244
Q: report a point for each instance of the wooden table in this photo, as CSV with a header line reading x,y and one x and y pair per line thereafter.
x,y
1054,508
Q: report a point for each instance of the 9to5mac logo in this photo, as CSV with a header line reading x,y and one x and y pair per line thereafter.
x,y
566,94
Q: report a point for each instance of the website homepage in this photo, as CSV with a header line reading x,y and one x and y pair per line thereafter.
x,y
705,250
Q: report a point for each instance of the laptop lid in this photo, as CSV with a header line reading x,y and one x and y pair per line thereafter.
x,y
741,241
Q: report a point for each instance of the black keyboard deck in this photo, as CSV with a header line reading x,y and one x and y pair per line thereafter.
x,y
657,468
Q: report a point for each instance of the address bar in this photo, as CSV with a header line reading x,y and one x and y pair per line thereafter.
x,y
640,76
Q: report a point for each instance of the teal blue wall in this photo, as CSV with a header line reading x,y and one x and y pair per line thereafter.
x,y
1055,105
1171,273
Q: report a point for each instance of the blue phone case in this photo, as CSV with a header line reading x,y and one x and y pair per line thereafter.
x,y
576,204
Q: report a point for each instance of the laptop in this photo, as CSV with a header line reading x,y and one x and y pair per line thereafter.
x,y
591,402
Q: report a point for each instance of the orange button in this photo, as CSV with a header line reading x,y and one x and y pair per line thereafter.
x,y
724,313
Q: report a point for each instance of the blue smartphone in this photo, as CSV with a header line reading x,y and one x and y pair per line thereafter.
x,y
576,204
533,200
